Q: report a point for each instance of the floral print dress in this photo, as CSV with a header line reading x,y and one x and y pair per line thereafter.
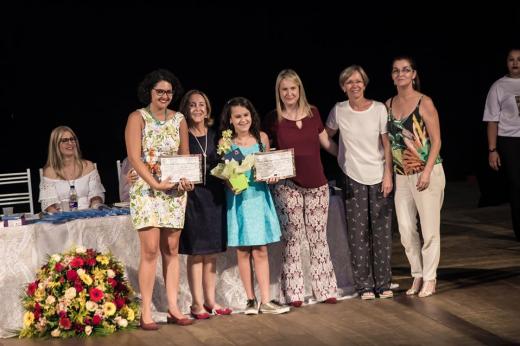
x,y
148,207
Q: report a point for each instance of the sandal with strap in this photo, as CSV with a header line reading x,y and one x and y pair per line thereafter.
x,y
416,286
368,295
428,289
385,293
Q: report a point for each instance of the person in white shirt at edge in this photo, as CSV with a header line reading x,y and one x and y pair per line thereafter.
x,y
366,159
65,168
502,114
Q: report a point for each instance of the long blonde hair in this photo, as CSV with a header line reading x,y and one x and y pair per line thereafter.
x,y
303,105
55,159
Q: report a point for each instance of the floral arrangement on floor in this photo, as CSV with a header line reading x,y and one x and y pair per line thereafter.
x,y
78,293
231,170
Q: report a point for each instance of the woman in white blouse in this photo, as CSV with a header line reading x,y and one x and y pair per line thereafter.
x,y
66,168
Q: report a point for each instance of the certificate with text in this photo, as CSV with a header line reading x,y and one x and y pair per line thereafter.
x,y
278,163
182,166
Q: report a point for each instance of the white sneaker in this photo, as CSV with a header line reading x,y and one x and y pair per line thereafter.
x,y
273,308
251,307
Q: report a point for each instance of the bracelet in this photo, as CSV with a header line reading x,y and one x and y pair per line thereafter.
x,y
492,150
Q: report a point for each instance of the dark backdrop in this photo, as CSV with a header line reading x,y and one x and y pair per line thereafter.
x,y
79,65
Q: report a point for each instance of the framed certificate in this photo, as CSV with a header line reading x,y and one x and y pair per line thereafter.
x,y
182,166
278,163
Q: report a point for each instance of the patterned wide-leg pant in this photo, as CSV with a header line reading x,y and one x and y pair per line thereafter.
x,y
369,228
303,212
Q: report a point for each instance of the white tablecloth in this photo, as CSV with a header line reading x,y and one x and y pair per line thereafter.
x,y
24,249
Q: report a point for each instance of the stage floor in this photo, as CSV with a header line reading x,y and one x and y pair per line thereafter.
x,y
477,300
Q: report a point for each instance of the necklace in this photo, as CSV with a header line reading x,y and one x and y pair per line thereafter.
x,y
160,122
204,151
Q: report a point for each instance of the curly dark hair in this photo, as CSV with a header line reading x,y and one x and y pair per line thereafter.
x,y
225,118
154,77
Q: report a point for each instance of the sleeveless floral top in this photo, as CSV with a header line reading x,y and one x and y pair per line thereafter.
x,y
410,142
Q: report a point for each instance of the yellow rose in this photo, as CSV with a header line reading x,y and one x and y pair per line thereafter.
x,y
56,333
88,330
28,319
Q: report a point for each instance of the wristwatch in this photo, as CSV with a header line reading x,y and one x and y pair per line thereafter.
x,y
492,150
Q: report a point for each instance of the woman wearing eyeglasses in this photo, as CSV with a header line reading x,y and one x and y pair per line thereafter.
x,y
414,131
157,206
65,168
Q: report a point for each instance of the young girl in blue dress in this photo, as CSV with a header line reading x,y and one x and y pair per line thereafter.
x,y
252,222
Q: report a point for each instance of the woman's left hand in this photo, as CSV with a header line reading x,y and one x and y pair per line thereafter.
x,y
185,185
424,181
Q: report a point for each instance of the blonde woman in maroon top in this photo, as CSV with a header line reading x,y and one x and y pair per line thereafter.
x,y
302,202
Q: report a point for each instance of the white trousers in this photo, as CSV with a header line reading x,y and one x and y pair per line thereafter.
x,y
408,201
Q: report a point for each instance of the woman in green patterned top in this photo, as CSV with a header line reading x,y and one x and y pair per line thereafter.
x,y
414,132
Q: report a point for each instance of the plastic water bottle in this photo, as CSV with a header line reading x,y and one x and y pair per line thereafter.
x,y
73,198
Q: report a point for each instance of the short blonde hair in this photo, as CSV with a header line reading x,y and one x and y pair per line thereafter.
x,y
349,71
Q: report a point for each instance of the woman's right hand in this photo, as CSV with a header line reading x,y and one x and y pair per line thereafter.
x,y
494,160
131,176
165,185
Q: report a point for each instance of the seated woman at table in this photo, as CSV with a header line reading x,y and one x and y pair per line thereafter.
x,y
65,168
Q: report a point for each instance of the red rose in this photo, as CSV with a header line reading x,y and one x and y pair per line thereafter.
x,y
96,320
72,275
58,267
91,262
62,279
78,286
95,294
32,288
112,282
87,320
62,314
65,323
120,302
77,262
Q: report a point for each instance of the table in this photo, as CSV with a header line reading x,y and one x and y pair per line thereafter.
x,y
24,249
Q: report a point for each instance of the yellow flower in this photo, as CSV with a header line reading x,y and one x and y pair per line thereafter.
x,y
99,274
102,259
86,279
28,319
39,294
128,313
109,309
56,333
88,330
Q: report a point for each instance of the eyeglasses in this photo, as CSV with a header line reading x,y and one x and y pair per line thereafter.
x,y
162,92
68,140
404,70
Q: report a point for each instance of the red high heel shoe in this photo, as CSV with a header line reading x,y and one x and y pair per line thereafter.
x,y
179,321
199,316
147,326
221,311
296,303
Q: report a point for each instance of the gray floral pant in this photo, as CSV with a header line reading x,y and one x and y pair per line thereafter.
x,y
369,229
